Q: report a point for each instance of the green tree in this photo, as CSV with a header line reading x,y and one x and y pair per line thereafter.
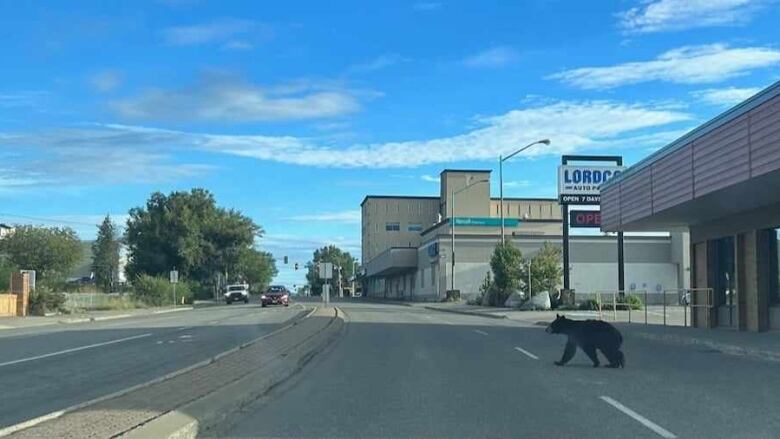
x,y
339,258
6,269
257,268
105,254
546,269
506,264
51,251
188,231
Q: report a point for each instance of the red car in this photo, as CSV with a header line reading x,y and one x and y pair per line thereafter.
x,y
275,295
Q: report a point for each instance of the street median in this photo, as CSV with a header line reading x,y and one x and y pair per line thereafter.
x,y
196,400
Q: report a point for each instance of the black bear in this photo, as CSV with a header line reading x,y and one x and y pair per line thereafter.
x,y
589,335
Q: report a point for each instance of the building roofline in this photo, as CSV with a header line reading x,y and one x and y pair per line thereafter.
x,y
718,121
484,171
400,197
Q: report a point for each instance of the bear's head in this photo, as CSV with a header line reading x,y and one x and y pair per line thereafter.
x,y
557,325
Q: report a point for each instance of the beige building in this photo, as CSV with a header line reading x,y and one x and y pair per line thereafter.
x,y
408,252
397,232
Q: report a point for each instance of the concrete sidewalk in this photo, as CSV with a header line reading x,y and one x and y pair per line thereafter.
x,y
765,346
94,316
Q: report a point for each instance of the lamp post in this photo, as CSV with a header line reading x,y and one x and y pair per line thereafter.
x,y
501,160
452,227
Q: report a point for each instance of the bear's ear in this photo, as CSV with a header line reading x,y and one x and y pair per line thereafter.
x,y
557,316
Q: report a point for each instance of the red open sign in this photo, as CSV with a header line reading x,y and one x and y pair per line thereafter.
x,y
585,218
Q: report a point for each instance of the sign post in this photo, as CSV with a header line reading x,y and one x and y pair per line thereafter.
x,y
325,271
174,280
579,184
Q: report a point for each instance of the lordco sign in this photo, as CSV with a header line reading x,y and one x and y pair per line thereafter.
x,y
579,184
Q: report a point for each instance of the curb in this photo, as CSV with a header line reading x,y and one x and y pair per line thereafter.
x,y
114,317
468,313
389,302
59,413
206,413
728,349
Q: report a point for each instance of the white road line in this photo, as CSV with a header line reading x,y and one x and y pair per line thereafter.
x,y
639,418
480,332
517,348
80,348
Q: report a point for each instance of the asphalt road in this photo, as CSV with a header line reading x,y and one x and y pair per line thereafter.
x,y
408,372
46,369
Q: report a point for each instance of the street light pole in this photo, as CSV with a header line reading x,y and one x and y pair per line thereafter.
x,y
501,192
501,160
452,240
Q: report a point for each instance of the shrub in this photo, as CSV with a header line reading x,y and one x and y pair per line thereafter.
x,y
43,300
623,303
158,291
633,301
506,264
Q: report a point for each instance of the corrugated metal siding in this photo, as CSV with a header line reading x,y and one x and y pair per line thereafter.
x,y
765,138
743,148
721,158
610,207
672,179
636,196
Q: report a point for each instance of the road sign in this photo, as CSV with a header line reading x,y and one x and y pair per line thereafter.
x,y
325,270
174,276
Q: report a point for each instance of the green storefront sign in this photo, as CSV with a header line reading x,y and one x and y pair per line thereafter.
x,y
486,222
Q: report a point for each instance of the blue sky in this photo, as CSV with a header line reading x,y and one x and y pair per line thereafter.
x,y
293,111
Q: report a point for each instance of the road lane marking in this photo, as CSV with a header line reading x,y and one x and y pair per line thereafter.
x,y
5,431
80,348
519,349
480,332
639,418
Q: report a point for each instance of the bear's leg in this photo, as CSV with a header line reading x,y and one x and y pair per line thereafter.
x,y
613,355
590,351
571,348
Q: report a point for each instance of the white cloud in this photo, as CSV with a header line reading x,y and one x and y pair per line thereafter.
x,y
232,100
123,152
517,184
237,45
346,216
685,65
378,63
93,156
725,97
106,81
427,6
430,178
22,98
671,15
498,56
205,33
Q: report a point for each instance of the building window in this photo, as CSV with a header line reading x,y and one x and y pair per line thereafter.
x,y
415,227
393,227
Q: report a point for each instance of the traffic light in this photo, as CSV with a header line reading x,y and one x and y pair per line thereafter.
x,y
296,265
285,260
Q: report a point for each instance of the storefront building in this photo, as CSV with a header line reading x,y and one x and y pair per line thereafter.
x,y
720,183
